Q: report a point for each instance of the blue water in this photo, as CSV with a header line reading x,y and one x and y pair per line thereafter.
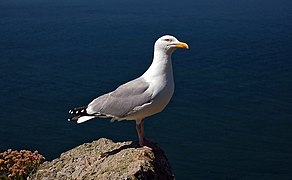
x,y
231,114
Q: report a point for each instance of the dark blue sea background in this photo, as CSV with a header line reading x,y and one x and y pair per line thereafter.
x,y
230,116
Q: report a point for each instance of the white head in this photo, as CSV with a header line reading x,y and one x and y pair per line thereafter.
x,y
168,44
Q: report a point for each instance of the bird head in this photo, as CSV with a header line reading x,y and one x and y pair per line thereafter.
x,y
169,44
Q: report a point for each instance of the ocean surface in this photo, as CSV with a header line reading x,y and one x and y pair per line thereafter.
x,y
230,116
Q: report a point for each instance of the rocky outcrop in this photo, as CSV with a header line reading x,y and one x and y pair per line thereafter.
x,y
104,159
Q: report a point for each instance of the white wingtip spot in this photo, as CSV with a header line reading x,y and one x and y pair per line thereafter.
x,y
84,118
82,110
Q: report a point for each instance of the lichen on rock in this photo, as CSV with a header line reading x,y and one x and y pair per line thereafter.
x,y
104,159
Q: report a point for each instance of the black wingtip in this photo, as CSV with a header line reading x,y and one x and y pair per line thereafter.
x,y
78,111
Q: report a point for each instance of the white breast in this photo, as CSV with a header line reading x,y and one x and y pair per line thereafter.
x,y
160,77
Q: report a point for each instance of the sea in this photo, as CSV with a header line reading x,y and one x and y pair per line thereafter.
x,y
231,113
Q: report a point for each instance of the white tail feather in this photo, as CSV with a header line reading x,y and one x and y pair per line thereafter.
x,y
84,118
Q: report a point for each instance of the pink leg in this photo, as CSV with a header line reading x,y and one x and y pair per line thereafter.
x,y
142,129
143,142
139,131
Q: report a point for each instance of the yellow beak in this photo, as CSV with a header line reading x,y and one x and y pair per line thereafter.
x,y
182,45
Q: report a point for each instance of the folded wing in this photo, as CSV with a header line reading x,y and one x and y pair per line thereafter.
x,y
123,101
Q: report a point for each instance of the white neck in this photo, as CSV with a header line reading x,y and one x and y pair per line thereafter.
x,y
161,67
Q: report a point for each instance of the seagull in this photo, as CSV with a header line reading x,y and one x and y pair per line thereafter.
x,y
141,97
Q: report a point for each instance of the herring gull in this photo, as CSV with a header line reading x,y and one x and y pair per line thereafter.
x,y
139,98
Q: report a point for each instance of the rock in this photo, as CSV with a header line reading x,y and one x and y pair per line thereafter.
x,y
104,159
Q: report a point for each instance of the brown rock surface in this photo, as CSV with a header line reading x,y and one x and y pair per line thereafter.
x,y
104,159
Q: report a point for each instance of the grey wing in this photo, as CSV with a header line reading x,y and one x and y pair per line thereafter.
x,y
122,101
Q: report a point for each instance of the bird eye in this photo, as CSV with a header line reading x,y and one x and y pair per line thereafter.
x,y
167,40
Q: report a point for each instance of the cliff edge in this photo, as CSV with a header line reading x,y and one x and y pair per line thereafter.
x,y
105,159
